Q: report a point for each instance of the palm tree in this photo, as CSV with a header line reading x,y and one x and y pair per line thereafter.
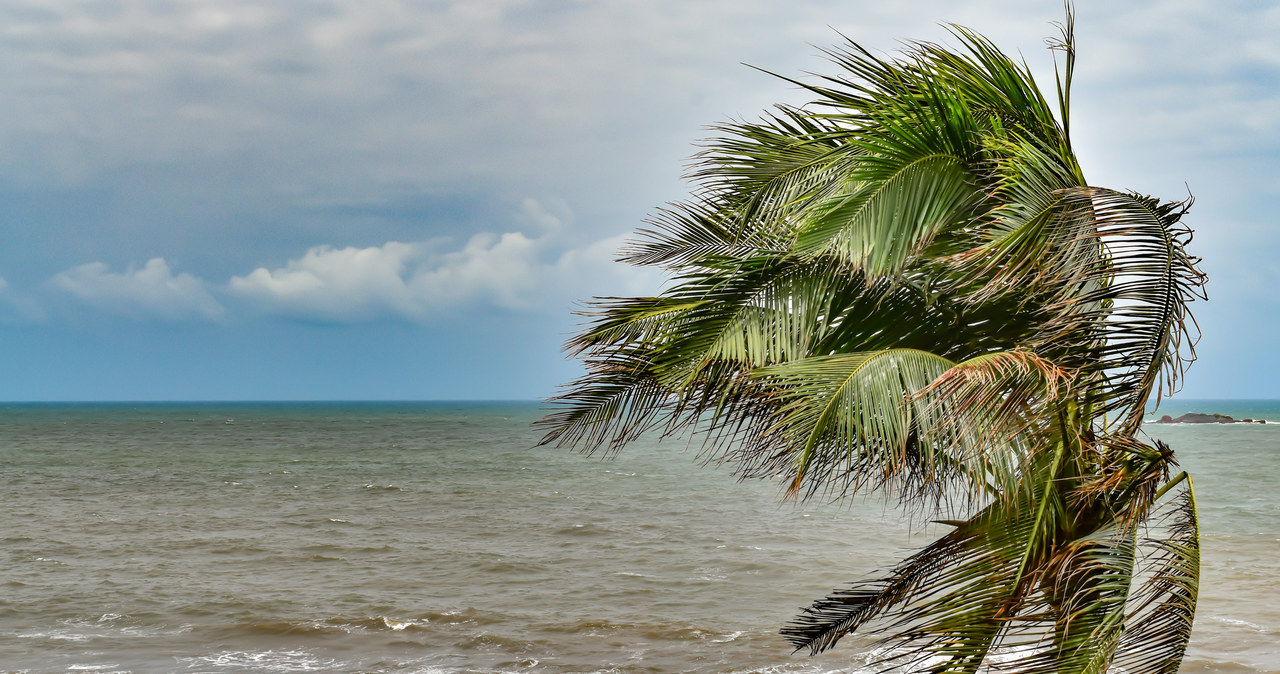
x,y
908,287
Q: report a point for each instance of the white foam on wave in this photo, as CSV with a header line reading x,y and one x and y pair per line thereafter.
x,y
56,635
383,487
1234,622
106,626
366,624
264,661
732,636
398,625
710,574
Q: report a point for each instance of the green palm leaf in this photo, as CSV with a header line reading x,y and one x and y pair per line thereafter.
x,y
850,410
884,220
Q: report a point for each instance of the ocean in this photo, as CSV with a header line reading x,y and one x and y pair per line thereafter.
x,y
434,537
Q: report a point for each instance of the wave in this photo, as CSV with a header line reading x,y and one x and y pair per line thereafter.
x,y
327,626
290,660
643,631
587,529
1233,622
320,627
385,623
108,626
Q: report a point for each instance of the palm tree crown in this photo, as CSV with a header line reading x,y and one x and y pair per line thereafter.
x,y
908,287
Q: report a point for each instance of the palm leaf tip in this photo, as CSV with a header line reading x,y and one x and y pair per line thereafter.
x,y
819,626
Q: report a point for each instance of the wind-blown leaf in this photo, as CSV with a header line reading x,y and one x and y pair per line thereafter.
x,y
885,219
847,408
1128,321
1159,623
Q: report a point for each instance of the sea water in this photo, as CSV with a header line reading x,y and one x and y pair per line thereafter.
x,y
434,537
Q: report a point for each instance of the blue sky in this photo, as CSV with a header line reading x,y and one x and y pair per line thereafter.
x,y
378,199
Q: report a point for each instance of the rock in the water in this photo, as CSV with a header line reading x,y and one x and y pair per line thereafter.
x,y
1201,418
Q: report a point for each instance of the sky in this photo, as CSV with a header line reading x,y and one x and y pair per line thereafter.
x,y
380,199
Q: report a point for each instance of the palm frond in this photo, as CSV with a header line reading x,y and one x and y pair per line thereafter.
x,y
949,602
848,410
1159,623
612,405
1132,317
819,626
692,235
988,413
760,174
890,214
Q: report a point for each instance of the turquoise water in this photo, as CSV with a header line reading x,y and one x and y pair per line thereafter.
x,y
434,538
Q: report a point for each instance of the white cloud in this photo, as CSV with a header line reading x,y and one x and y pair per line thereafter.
x,y
150,292
416,281
504,270
341,284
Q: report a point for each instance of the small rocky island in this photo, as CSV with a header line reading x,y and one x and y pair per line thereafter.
x,y
1199,418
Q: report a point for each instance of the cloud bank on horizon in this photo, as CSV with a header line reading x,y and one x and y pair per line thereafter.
x,y
205,174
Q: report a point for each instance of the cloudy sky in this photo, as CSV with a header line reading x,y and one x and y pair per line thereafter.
x,y
382,199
